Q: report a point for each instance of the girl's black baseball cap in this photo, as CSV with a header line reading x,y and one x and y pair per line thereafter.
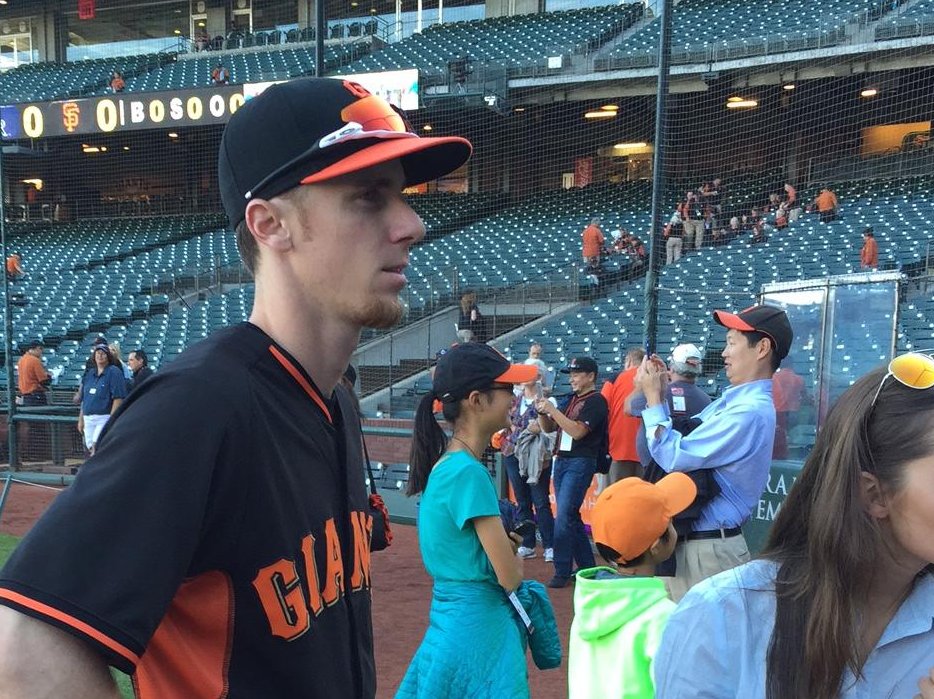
x,y
474,366
310,130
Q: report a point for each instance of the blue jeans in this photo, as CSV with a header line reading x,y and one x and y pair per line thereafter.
x,y
572,476
527,495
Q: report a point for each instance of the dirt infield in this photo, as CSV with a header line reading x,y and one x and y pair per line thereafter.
x,y
401,596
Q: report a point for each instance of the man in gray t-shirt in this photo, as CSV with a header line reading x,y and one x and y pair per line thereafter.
x,y
685,399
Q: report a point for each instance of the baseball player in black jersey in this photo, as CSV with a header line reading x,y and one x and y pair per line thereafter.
x,y
217,544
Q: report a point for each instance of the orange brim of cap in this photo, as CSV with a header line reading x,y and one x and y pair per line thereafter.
x,y
732,321
423,159
519,373
678,491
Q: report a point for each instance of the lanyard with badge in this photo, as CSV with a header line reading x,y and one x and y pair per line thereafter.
x,y
566,442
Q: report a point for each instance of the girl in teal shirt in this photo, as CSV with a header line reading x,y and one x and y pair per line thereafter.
x,y
474,645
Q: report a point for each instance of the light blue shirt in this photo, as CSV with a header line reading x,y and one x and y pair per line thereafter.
x,y
717,640
735,439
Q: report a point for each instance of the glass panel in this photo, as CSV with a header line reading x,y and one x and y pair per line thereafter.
x,y
128,30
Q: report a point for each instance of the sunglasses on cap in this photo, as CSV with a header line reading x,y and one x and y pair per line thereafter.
x,y
368,117
913,369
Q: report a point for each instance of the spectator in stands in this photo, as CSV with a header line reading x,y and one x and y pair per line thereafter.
x,y
33,384
622,428
117,83
461,537
791,203
582,421
781,217
527,459
710,224
673,232
692,218
734,438
593,242
839,602
14,267
202,41
535,359
220,75
620,612
869,255
103,389
33,379
826,205
470,320
138,362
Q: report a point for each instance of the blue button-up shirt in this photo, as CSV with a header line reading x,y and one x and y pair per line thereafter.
x,y
735,439
717,640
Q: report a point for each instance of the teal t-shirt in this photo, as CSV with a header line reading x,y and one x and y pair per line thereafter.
x,y
459,489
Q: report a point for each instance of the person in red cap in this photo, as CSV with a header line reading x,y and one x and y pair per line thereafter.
x,y
734,439
460,533
217,543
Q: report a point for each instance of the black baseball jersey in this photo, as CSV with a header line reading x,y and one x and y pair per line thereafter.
x,y
219,539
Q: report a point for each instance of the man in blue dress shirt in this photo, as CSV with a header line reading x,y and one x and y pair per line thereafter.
x,y
734,439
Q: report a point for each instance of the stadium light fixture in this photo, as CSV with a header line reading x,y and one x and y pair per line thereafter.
x,y
610,107
742,104
519,109
172,134
427,127
788,86
624,146
734,98
869,92
599,115
126,148
90,149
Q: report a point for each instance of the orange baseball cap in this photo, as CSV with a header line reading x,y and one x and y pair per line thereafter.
x,y
632,514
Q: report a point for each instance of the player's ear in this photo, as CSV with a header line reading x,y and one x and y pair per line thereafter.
x,y
266,221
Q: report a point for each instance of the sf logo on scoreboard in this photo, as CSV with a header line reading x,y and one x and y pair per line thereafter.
x,y
71,116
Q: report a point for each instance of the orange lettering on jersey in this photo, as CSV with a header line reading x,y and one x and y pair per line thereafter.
x,y
356,89
282,598
334,565
311,575
362,525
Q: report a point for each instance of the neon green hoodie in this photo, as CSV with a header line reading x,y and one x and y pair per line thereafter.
x,y
618,623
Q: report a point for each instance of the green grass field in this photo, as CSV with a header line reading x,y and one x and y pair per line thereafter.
x,y
7,544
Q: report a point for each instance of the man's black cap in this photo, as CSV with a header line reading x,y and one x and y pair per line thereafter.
x,y
768,320
581,364
473,366
30,344
310,130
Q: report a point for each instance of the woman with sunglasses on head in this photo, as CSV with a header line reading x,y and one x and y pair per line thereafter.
x,y
841,601
473,646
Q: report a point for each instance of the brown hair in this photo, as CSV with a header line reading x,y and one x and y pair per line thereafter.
x,y
247,247
826,543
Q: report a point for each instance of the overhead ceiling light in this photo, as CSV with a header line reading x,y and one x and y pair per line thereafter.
x,y
172,134
353,4
869,92
621,146
201,24
90,149
519,109
734,99
426,127
126,148
599,115
610,107
103,149
788,86
177,32
742,104
34,181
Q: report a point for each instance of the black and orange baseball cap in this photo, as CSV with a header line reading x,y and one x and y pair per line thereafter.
x,y
473,366
311,130
768,320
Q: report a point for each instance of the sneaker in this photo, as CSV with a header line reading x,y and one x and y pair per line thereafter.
x,y
526,552
549,555
558,581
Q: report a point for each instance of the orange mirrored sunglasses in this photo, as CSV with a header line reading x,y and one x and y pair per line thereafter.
x,y
914,370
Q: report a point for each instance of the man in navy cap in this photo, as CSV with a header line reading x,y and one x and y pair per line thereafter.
x,y
734,439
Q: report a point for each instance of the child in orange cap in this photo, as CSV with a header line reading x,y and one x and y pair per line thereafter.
x,y
620,612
